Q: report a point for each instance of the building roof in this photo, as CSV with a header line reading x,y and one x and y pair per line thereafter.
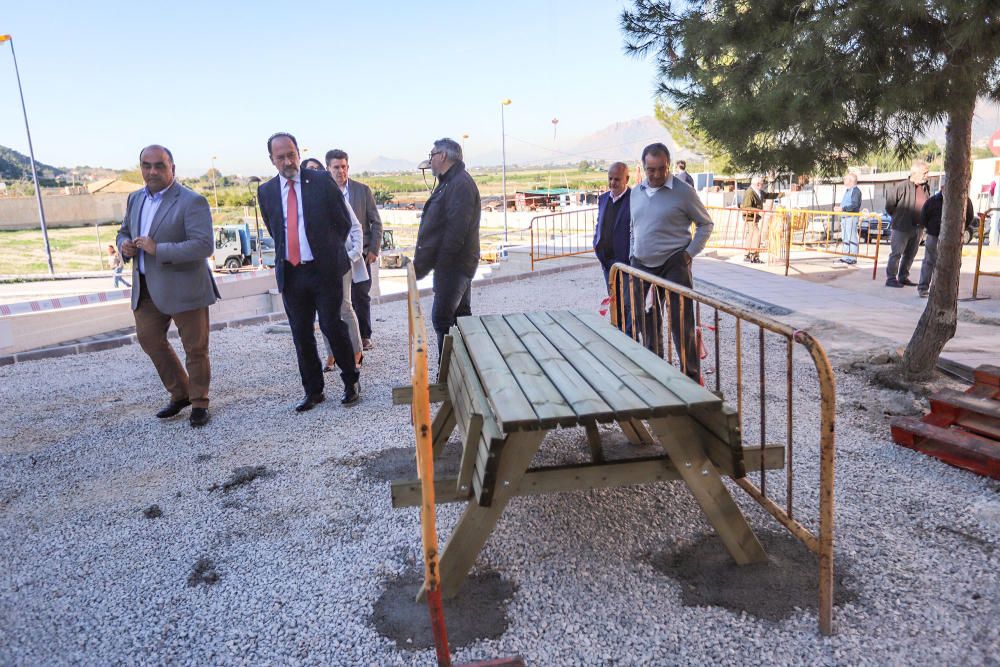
x,y
112,185
547,191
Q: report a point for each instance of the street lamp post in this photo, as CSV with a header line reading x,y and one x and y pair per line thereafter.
x,y
31,155
503,167
215,190
464,137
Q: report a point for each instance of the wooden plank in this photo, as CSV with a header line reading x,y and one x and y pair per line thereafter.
x,y
987,374
465,373
594,441
578,477
508,402
469,451
442,427
575,390
444,361
404,395
644,435
630,434
616,393
684,445
477,522
953,446
943,400
659,369
661,401
545,398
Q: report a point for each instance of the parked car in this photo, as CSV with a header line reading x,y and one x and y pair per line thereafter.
x,y
868,225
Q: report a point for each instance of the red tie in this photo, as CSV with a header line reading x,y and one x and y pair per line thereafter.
x,y
292,230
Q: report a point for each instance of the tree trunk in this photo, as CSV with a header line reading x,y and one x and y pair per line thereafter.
x,y
939,320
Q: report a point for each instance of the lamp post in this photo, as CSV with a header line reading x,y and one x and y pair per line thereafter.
x,y
256,221
503,167
464,137
215,190
31,154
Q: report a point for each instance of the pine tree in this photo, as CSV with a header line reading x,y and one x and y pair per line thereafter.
x,y
806,86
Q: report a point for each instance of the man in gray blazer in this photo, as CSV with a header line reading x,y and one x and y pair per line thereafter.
x,y
167,235
359,197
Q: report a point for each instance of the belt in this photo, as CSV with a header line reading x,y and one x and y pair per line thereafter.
x,y
302,263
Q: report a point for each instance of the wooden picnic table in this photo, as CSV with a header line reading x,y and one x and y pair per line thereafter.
x,y
507,380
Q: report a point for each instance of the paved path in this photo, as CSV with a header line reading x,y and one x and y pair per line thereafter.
x,y
844,320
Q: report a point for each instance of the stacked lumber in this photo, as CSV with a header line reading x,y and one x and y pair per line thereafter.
x,y
962,428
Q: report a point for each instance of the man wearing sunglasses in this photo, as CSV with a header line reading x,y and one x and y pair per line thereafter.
x,y
448,238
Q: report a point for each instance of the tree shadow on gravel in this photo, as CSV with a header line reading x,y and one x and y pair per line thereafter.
x,y
774,590
400,463
478,612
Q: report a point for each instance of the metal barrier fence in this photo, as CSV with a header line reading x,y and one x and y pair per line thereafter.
x,y
630,289
775,232
979,253
421,416
562,234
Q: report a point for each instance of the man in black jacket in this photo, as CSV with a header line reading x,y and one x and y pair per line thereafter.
x,y
930,220
448,238
904,205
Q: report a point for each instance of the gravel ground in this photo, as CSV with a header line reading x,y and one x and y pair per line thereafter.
x,y
272,539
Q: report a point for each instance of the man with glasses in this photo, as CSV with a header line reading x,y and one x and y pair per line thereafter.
x,y
662,211
306,216
448,238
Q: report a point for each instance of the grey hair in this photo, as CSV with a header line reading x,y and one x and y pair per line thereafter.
x,y
452,149
617,165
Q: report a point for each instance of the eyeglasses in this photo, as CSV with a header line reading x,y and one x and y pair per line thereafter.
x,y
430,156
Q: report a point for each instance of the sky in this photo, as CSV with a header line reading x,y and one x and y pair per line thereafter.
x,y
216,78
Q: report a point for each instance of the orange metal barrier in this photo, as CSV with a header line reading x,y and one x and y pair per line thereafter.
x,y
648,323
979,254
421,414
562,234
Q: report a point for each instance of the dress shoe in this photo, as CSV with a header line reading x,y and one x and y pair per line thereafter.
x,y
892,282
310,402
199,417
352,394
367,344
907,282
173,408
923,293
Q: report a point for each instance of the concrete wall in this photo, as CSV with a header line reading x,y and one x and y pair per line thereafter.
x,y
240,298
62,210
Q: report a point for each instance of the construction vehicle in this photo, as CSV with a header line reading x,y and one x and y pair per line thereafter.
x,y
236,247
390,256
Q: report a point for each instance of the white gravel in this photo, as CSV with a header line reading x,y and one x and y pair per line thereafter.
x,y
303,552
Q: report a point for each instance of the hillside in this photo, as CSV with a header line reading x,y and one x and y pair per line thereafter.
x,y
15,166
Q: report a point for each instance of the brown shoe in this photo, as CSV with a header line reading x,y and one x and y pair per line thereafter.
x,y
367,344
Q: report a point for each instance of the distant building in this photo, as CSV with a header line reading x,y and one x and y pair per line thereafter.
x,y
107,186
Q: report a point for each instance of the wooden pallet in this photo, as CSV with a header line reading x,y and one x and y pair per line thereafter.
x,y
962,429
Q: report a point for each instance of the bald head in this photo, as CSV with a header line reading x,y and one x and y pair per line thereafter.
x,y
617,178
157,166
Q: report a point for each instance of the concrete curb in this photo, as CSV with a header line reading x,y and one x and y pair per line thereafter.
x,y
119,341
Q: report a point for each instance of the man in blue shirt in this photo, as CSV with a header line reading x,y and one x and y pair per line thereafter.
x,y
851,203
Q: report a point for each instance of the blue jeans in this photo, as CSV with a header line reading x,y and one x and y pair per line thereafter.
x,y
849,233
452,300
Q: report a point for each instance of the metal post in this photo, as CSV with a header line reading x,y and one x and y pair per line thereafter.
x,y
503,166
31,155
215,190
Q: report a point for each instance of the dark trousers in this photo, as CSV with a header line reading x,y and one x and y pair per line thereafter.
x,y
676,270
190,380
305,295
452,300
903,246
362,302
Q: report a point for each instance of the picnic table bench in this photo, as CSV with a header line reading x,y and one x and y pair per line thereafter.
x,y
505,381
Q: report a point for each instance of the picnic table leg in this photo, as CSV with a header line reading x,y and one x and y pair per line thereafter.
x,y
477,522
594,440
442,426
682,442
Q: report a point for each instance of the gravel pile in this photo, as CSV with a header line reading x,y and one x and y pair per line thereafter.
x,y
268,536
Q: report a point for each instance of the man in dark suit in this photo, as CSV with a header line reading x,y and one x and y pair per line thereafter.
x,y
167,235
306,216
683,174
359,197
612,234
